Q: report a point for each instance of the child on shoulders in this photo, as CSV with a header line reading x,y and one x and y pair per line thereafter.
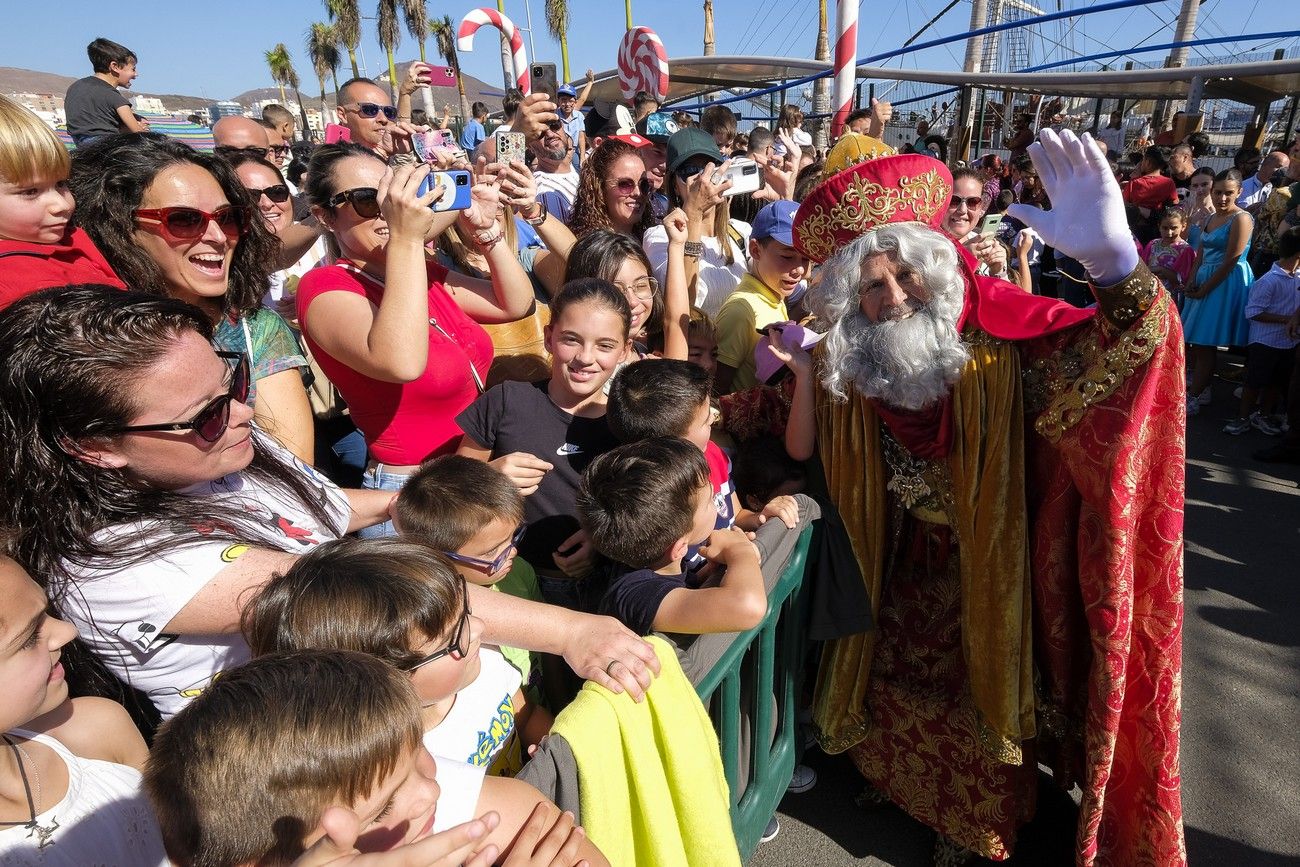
x,y
323,749
402,602
71,766
39,248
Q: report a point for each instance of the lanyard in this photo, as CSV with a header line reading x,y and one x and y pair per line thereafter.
x,y
473,371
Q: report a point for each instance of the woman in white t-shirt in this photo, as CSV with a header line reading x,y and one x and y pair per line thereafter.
x,y
715,244
139,490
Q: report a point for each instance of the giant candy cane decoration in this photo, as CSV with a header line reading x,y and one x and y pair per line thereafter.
x,y
475,19
846,49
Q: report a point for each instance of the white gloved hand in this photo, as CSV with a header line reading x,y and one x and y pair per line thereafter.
x,y
1087,221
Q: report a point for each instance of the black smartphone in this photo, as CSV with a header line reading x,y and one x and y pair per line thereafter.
x,y
544,79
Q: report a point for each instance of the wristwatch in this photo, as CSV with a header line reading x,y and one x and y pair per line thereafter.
x,y
542,213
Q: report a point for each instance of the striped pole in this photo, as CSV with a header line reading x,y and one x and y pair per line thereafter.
x,y
475,19
846,50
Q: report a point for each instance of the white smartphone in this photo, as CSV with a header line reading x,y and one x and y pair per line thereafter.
x,y
743,174
988,226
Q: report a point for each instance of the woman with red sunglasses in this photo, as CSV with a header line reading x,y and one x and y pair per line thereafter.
x,y
176,222
138,492
399,335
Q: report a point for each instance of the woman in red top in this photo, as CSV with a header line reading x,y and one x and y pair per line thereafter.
x,y
396,333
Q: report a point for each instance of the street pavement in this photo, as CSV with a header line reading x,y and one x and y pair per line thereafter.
x,y
1241,690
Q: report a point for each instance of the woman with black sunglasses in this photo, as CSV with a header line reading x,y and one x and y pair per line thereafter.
x,y
273,200
613,192
176,222
400,336
137,490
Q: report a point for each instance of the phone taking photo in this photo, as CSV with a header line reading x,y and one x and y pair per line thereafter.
x,y
510,146
455,190
988,225
743,174
544,79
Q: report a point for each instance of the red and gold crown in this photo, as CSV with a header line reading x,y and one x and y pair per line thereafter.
x,y
908,188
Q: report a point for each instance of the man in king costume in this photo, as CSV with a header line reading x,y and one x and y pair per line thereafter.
x,y
1010,470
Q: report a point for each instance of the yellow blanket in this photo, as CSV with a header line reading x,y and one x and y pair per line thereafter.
x,y
650,775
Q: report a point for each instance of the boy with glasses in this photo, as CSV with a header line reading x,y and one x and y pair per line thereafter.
x,y
473,515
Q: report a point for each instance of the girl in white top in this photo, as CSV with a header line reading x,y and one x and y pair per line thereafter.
x,y
69,768
715,244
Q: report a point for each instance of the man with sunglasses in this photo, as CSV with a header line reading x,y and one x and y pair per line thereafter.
x,y
555,172
367,111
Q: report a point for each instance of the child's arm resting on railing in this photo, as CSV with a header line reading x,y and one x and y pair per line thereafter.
x,y
737,603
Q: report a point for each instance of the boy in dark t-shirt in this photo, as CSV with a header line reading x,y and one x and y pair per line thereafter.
x,y
642,505
93,105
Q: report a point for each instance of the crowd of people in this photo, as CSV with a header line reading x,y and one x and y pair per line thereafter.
x,y
331,496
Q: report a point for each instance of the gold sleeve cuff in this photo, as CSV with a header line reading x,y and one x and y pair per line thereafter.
x,y
1126,301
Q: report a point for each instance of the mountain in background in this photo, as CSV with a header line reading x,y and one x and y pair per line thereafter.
x,y
16,80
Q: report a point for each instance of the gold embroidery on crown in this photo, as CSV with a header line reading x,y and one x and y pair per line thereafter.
x,y
867,204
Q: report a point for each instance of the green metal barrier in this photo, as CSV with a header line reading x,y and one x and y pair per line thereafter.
x,y
762,668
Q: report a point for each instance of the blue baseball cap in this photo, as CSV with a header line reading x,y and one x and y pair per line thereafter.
x,y
776,220
566,90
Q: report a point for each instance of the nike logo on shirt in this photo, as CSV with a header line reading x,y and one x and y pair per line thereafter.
x,y
568,449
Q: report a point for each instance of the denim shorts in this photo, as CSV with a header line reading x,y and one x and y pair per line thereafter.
x,y
375,478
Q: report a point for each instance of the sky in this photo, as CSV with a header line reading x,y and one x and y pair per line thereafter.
x,y
216,50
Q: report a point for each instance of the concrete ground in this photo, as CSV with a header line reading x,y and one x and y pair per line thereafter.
x,y
1241,690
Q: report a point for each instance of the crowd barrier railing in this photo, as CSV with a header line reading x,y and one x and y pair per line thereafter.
x,y
753,688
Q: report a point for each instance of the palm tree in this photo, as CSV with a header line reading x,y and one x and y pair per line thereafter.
x,y
445,32
390,36
416,16
708,28
323,48
347,26
277,59
822,86
557,22
281,63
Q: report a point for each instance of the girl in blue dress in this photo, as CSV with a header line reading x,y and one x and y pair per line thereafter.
x,y
1215,311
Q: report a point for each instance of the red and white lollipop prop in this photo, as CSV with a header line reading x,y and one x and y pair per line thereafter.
x,y
642,64
475,19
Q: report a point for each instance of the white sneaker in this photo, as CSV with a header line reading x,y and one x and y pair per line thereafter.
x,y
769,833
804,779
1264,424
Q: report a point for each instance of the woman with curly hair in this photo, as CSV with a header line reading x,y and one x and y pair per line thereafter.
x,y
613,192
175,222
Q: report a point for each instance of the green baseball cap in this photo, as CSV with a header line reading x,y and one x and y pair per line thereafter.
x,y
691,142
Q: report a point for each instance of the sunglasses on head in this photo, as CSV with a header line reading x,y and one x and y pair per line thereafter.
x,y
189,224
211,421
457,648
491,566
972,202
627,186
370,109
278,193
364,200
